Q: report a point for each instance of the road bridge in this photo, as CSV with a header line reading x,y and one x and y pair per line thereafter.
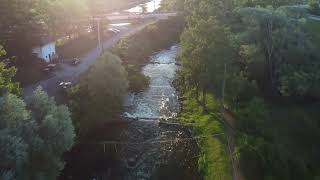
x,y
119,17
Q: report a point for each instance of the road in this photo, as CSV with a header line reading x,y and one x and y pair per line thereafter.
x,y
72,73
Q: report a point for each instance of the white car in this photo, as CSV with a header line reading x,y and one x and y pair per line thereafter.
x,y
65,85
116,31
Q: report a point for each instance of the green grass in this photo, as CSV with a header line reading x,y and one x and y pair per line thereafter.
x,y
314,27
214,161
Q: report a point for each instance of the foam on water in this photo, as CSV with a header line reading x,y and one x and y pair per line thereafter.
x,y
160,99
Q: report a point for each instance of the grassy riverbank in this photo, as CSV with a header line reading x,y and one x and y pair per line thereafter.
x,y
214,161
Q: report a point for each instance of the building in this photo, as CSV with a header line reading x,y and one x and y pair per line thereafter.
x,y
46,50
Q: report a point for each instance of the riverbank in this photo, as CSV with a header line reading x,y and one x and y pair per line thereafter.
x,y
213,161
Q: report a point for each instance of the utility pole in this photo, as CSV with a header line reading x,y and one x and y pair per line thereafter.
x,y
154,6
99,35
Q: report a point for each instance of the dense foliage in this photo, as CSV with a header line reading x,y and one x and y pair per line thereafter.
x,y
6,76
314,7
34,135
99,96
260,59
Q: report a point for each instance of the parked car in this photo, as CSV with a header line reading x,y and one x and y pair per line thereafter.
x,y
75,61
50,68
65,84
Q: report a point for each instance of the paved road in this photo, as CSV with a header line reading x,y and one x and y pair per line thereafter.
x,y
72,73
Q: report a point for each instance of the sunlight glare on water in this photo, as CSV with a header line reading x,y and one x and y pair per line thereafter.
x,y
160,99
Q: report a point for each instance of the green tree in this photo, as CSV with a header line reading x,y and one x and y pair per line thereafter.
x,y
100,94
6,75
107,78
172,5
21,26
314,7
206,50
34,135
272,47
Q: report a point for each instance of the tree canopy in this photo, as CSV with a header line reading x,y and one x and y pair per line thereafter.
x,y
6,76
34,135
262,58
105,82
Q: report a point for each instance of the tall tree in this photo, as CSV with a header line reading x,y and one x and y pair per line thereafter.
x,y
206,51
21,25
6,76
100,94
278,44
34,135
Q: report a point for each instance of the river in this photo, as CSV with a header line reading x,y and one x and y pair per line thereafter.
x,y
156,146
160,99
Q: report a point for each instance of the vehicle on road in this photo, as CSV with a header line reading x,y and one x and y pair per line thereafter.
x,y
50,68
75,61
65,84
114,30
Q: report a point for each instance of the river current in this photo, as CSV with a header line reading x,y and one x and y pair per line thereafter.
x,y
156,149
160,99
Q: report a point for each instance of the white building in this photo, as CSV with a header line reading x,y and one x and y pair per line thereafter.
x,y
46,50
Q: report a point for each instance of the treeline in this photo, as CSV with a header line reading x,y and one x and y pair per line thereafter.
x,y
34,132
260,60
24,24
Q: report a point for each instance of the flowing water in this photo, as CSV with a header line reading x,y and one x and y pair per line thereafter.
x,y
160,100
156,149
